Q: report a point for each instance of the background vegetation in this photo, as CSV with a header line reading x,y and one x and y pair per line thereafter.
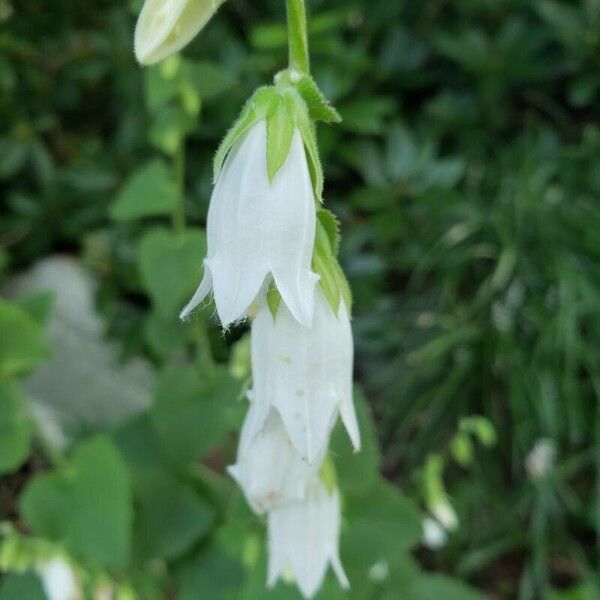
x,y
466,173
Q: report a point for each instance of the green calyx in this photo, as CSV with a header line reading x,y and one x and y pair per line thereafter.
x,y
328,475
332,279
273,299
293,103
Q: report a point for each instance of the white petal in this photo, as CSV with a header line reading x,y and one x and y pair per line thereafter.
x,y
345,368
268,468
306,373
291,370
203,290
166,26
293,233
255,229
58,580
304,537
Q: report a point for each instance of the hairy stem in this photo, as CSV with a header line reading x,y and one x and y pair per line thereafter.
x,y
297,35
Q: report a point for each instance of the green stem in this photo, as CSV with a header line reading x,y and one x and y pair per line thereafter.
x,y
178,214
206,362
297,35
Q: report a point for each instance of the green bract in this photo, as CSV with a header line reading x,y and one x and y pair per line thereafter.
x,y
332,279
292,104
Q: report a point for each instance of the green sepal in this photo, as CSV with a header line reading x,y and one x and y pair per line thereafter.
x,y
273,299
332,279
332,227
309,137
328,475
256,108
280,133
318,106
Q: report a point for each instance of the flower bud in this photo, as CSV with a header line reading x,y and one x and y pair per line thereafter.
x,y
166,26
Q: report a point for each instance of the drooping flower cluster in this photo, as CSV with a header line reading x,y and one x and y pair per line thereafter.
x,y
262,237
271,257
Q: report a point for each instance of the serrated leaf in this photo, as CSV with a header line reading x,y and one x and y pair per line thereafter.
x,y
85,505
22,346
171,266
149,191
280,132
14,427
318,106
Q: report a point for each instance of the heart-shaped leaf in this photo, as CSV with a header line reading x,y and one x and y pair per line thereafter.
x,y
85,505
171,266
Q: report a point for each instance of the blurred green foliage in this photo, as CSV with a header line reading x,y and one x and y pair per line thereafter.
x,y
466,173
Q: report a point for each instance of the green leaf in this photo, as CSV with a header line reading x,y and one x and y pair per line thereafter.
x,y
170,516
22,346
366,115
318,106
170,126
357,472
381,529
280,132
162,82
85,505
164,336
149,191
38,306
26,586
171,264
191,415
14,427
434,587
138,443
210,574
208,79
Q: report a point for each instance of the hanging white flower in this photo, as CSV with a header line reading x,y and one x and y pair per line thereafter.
x,y
303,539
166,26
269,469
258,229
306,374
58,580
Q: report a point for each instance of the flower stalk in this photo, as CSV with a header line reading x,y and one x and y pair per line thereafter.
x,y
298,36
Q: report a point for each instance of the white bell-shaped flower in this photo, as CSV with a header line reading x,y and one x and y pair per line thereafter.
x,y
303,539
306,374
258,229
268,468
58,580
166,26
